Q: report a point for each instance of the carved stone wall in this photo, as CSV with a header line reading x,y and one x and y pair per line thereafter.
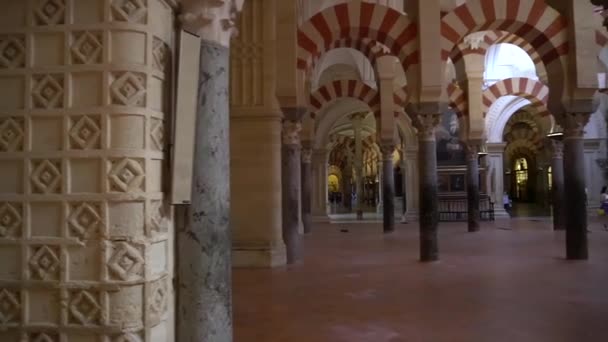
x,y
85,240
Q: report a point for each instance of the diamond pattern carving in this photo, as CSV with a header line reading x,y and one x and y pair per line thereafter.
x,y
10,307
127,338
127,262
46,177
10,220
157,216
50,12
157,134
129,10
44,263
126,175
11,135
84,308
161,53
84,220
87,48
158,300
129,89
86,133
12,51
48,92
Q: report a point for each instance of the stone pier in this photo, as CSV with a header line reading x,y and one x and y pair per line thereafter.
x,y
290,176
388,189
429,216
473,187
557,185
306,188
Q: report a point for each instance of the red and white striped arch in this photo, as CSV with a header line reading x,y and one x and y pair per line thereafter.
x,y
532,90
457,99
354,89
532,20
357,20
493,38
369,48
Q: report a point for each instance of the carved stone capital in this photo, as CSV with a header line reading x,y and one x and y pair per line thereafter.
x,y
471,150
387,151
291,132
306,155
212,20
574,124
426,125
557,149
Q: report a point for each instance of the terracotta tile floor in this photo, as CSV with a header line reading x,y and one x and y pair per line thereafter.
x,y
492,286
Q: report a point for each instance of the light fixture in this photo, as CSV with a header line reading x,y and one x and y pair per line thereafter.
x,y
556,136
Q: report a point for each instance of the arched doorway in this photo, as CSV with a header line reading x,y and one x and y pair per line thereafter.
x,y
521,192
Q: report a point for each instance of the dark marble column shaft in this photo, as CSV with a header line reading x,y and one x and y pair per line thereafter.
x,y
429,216
388,189
306,184
557,186
290,182
574,186
473,188
204,245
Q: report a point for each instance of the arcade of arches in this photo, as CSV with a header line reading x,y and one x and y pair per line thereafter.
x,y
149,149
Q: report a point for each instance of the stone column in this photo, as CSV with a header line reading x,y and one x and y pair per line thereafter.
x,y
412,185
574,186
473,187
86,235
496,177
380,185
357,122
347,190
204,246
429,216
290,175
319,178
388,189
306,189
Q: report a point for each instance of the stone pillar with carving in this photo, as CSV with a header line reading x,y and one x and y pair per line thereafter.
x,y
574,185
388,188
85,234
290,178
473,186
429,215
306,188
204,244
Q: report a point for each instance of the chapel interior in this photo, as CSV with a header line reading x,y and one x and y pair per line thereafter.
x,y
303,170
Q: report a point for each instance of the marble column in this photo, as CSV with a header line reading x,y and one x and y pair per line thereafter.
x,y
306,189
347,190
496,180
388,189
204,247
290,184
473,187
429,216
574,186
380,185
412,185
357,123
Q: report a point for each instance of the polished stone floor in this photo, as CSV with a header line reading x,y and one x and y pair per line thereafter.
x,y
508,282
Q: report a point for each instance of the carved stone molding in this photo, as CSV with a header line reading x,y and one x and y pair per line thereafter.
x,y
387,151
291,132
212,20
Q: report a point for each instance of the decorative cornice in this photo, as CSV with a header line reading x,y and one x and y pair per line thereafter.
x,y
212,20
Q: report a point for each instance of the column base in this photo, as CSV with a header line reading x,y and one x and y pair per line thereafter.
x,y
359,214
411,216
501,213
258,255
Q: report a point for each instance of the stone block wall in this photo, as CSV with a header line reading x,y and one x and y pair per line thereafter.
x,y
85,237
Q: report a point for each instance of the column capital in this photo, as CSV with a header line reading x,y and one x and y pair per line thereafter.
x,y
212,20
387,151
426,125
574,124
306,155
472,147
291,132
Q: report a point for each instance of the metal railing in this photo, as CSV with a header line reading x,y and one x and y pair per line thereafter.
x,y
453,209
